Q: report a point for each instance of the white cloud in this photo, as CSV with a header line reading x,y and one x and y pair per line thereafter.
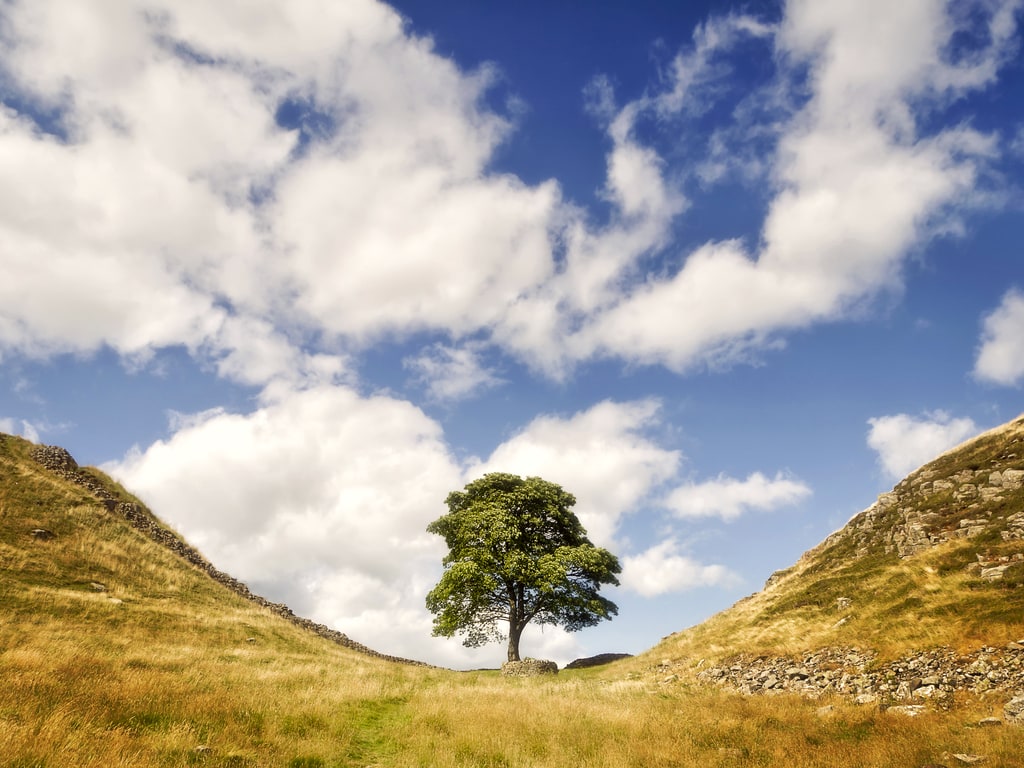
x,y
728,498
21,427
662,569
452,373
194,217
1001,354
602,456
905,442
857,189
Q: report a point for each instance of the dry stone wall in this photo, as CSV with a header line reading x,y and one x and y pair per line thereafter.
x,y
925,675
58,461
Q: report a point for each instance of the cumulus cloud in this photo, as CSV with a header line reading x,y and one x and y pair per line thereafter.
x,y
266,186
728,498
603,456
202,212
858,184
903,442
662,569
1001,354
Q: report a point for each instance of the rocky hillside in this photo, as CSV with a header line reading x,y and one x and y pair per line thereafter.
x,y
920,594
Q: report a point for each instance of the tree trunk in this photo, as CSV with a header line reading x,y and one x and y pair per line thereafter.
x,y
514,632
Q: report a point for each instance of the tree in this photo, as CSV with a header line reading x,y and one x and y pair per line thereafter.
x,y
517,553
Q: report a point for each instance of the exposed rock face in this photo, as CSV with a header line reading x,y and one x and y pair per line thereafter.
x,y
529,668
934,674
921,514
61,463
975,490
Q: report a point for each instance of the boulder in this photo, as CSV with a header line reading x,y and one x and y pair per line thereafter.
x,y
1013,478
1013,712
529,668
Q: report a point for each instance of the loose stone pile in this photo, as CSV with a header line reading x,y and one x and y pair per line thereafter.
x,y
58,461
934,674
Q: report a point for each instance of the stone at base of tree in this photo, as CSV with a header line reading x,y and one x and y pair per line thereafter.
x,y
529,668
1014,710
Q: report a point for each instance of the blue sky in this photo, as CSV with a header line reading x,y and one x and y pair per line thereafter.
x,y
293,272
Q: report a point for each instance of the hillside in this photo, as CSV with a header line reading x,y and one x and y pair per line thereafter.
x,y
118,639
121,646
936,565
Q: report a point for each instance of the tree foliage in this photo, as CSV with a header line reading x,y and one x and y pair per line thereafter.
x,y
517,553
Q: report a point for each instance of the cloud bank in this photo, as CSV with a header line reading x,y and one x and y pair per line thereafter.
x,y
275,188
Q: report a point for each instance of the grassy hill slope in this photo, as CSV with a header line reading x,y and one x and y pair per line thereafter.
x,y
939,561
116,650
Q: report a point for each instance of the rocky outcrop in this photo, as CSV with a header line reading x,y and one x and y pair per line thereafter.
x,y
922,513
58,461
925,675
974,492
529,668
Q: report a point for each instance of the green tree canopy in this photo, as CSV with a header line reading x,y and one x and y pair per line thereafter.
x,y
517,553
